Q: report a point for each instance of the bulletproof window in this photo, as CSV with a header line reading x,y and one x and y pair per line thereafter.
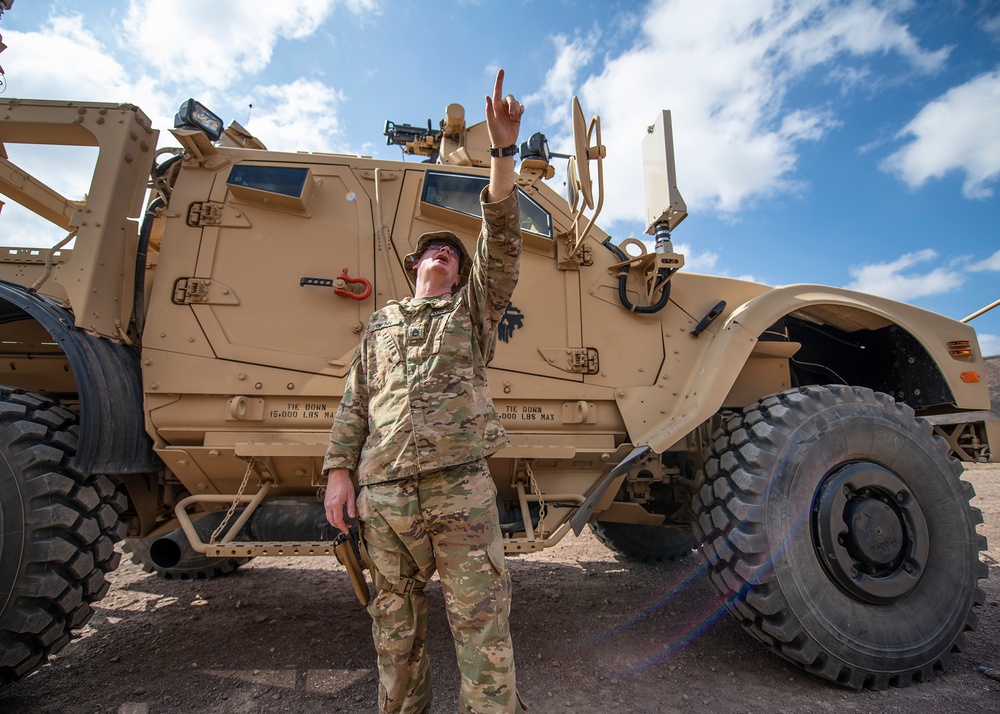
x,y
461,193
276,187
283,180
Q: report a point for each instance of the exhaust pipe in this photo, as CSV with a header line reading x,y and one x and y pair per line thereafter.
x,y
173,548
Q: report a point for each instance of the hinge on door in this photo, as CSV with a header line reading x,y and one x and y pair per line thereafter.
x,y
190,290
204,213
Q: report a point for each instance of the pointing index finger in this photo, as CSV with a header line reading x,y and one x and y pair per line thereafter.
x,y
498,89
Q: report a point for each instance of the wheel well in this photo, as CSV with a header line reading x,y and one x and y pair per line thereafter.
x,y
43,352
862,350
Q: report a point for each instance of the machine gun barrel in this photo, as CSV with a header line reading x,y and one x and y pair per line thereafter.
x,y
403,134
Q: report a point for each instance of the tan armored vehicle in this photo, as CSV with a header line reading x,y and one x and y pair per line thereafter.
x,y
171,377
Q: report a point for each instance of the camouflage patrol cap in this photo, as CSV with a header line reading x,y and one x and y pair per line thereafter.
x,y
464,261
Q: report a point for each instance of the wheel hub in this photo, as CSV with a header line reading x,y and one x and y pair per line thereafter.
x,y
875,532
870,533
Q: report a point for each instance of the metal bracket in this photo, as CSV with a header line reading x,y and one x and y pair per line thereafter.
x,y
586,510
967,441
257,549
197,544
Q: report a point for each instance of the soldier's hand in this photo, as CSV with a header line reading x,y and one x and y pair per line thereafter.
x,y
503,115
339,493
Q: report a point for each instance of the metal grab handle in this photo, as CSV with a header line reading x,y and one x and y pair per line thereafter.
x,y
342,292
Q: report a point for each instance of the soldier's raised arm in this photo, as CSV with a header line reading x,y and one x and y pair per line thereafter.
x,y
503,121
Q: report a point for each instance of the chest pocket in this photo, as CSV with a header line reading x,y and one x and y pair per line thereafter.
x,y
385,356
453,339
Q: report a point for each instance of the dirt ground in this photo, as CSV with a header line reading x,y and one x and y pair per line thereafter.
x,y
591,634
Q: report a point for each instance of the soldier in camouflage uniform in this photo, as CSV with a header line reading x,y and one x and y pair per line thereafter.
x,y
416,423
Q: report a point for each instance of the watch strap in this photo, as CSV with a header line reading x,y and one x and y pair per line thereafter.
x,y
498,152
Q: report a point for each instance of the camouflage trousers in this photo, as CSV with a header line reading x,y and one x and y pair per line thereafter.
x,y
445,521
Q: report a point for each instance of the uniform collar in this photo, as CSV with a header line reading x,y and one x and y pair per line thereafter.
x,y
410,305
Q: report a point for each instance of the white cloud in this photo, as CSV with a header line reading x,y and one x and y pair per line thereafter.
x,y
991,26
147,72
239,41
303,113
991,263
697,261
725,68
955,132
896,279
39,65
801,125
24,229
989,345
36,66
139,60
560,81
857,28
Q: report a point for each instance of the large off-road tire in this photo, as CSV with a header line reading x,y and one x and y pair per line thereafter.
x,y
645,544
191,566
839,533
57,532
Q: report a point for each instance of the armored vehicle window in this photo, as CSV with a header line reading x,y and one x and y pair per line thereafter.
x,y
283,180
461,193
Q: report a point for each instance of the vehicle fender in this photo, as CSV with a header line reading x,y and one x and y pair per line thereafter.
x,y
113,439
727,348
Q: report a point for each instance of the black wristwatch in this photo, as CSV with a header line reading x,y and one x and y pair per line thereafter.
x,y
498,152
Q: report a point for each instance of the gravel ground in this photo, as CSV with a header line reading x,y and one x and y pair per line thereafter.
x,y
592,634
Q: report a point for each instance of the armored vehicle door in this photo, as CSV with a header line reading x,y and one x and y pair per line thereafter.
x,y
541,331
266,228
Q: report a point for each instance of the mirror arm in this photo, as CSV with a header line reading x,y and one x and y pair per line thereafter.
x,y
578,235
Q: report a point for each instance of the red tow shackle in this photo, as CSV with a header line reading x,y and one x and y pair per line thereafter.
x,y
343,292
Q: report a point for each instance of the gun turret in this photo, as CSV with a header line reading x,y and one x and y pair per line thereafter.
x,y
413,139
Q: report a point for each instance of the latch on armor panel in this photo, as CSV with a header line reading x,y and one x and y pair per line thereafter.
x,y
580,360
584,360
189,290
204,213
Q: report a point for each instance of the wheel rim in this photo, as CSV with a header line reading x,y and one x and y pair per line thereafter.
x,y
870,533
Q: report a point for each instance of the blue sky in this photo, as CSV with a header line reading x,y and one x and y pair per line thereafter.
x,y
849,143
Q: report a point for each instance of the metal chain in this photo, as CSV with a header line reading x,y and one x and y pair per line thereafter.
x,y
234,504
538,493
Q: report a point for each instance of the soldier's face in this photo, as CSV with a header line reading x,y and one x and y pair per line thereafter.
x,y
441,257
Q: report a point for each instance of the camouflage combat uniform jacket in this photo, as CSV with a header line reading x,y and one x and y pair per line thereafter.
x,y
416,397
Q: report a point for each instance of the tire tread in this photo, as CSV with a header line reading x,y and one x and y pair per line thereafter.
x,y
71,521
731,529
